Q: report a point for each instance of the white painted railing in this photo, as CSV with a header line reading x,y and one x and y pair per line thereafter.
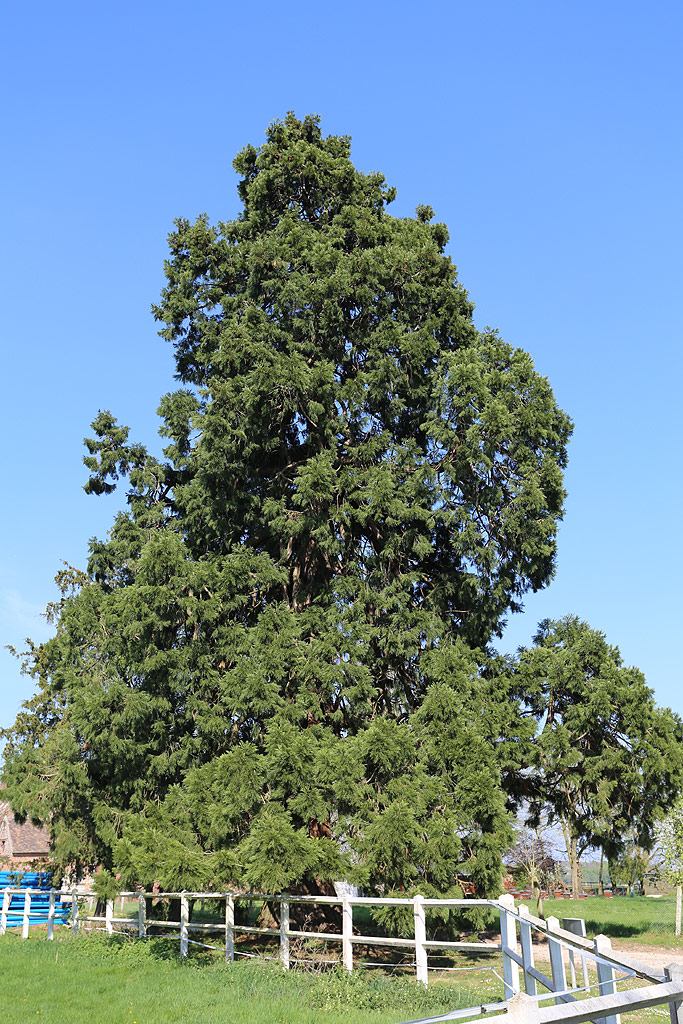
x,y
571,1003
346,938
81,918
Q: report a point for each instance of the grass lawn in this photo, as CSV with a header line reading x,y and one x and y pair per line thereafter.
x,y
95,980
631,918
100,980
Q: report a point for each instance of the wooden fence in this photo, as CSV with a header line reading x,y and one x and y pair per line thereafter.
x,y
568,947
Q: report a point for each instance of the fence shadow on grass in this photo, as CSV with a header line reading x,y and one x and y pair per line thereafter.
x,y
617,929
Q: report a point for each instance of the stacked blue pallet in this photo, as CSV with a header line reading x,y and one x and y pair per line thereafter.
x,y
40,901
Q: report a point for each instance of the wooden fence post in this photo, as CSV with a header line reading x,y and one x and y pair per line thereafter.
x,y
74,914
108,917
606,986
347,933
27,912
522,1009
525,938
556,958
284,933
229,929
674,972
51,916
679,899
421,962
184,917
508,940
6,897
142,916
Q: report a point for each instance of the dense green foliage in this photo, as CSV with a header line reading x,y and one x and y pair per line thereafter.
x,y
608,760
276,670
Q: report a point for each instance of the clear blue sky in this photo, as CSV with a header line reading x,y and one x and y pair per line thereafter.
x,y
547,136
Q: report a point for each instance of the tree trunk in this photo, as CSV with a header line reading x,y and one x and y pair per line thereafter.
x,y
173,910
538,893
165,910
601,882
576,872
571,842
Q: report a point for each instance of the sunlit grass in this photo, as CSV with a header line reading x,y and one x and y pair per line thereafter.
x,y
635,918
95,980
100,980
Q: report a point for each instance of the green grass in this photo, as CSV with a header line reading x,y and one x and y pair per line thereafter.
x,y
98,980
630,918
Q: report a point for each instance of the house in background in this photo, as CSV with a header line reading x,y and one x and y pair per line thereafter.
x,y
20,845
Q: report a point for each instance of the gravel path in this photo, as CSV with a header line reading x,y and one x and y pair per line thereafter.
x,y
653,956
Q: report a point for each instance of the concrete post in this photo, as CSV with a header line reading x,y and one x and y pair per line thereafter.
x,y
142,916
74,914
525,938
184,918
421,961
606,985
522,1009
27,912
6,897
674,972
229,929
347,933
51,917
556,958
577,926
508,940
284,933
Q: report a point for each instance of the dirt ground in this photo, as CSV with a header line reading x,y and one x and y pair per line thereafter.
x,y
652,956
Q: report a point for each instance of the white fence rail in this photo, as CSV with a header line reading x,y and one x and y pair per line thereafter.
x,y
567,946
80,919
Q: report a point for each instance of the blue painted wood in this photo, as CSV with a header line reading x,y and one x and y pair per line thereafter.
x,y
40,901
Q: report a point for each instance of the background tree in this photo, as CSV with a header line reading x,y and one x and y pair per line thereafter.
x,y
609,761
634,867
277,668
670,838
532,859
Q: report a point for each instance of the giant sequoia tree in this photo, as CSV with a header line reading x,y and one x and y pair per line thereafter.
x,y
276,668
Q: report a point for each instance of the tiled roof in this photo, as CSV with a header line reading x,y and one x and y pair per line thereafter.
x,y
24,839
